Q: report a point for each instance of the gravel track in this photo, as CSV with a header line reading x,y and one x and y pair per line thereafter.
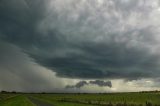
x,y
38,102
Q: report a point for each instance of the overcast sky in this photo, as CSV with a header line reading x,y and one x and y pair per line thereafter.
x,y
79,45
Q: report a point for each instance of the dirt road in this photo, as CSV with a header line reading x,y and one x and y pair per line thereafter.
x,y
38,102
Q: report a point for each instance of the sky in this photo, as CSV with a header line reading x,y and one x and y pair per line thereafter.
x,y
88,46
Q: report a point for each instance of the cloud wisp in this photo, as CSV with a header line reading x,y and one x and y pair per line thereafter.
x,y
99,83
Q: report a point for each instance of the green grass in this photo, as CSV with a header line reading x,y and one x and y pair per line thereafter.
x,y
93,99
113,99
6,96
19,100
57,103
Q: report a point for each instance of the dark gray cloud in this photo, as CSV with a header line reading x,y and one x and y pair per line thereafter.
x,y
77,85
101,83
95,82
86,39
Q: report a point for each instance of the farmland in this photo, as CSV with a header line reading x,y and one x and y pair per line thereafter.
x,y
106,99
15,100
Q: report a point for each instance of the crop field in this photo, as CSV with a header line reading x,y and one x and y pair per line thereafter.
x,y
110,99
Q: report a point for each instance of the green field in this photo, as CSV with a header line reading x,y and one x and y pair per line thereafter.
x,y
112,99
15,100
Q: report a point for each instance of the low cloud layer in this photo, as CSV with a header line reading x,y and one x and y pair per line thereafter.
x,y
96,82
101,83
77,85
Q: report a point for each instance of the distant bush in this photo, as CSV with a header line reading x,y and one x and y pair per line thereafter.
x,y
7,92
3,92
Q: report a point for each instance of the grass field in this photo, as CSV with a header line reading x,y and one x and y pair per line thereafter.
x,y
112,99
16,100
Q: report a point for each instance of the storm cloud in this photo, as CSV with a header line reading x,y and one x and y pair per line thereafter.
x,y
89,39
77,85
20,73
101,83
95,82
